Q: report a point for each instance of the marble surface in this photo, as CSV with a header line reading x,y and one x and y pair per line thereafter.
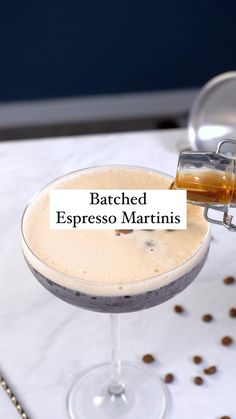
x,y
45,343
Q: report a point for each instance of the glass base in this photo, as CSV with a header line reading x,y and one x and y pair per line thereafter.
x,y
144,396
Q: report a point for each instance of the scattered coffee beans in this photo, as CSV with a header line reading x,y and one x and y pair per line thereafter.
x,y
227,341
197,359
198,381
148,358
178,309
232,312
169,378
210,370
229,280
207,318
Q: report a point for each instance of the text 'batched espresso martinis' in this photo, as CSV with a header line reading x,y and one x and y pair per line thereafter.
x,y
109,270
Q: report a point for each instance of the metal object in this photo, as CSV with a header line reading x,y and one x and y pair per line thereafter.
x,y
227,217
13,398
220,145
213,114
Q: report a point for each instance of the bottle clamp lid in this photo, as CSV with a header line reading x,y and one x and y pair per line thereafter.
x,y
227,217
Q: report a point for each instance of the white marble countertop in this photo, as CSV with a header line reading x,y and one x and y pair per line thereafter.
x,y
45,343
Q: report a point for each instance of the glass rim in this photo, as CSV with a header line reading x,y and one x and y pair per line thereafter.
x,y
100,283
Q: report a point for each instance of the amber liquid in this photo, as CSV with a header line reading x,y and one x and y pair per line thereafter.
x,y
214,188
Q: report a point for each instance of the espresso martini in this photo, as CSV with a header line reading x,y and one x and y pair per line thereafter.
x,y
113,270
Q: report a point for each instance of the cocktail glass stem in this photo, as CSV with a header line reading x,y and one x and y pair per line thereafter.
x,y
116,387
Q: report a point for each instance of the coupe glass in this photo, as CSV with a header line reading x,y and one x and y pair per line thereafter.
x,y
118,390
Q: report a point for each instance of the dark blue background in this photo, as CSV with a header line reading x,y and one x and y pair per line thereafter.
x,y
72,48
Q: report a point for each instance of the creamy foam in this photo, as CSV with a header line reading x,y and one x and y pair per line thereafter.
x,y
81,260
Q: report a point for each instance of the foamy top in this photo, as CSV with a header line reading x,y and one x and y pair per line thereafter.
x,y
102,262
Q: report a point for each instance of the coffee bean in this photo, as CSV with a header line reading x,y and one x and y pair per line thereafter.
x,y
197,359
178,309
228,280
149,243
207,318
225,417
232,312
227,341
169,378
123,231
148,358
198,381
210,370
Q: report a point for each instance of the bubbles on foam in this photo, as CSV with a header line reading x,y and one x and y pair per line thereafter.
x,y
104,256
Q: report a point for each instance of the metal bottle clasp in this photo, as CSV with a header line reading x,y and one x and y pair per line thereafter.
x,y
227,217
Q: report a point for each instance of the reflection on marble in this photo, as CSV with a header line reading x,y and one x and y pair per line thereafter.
x,y
45,343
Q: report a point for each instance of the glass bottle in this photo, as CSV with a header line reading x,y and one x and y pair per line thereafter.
x,y
210,180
